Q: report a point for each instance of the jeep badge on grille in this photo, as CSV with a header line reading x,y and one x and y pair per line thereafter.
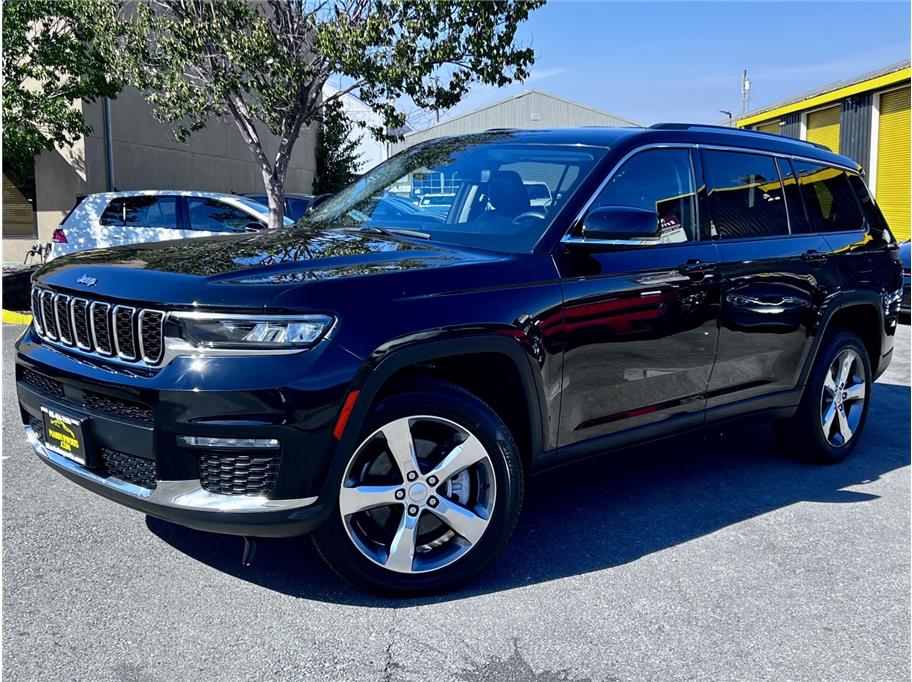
x,y
88,281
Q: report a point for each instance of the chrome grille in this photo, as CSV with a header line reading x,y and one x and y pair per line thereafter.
x,y
132,334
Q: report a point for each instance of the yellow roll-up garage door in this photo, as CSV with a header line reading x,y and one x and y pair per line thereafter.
x,y
823,127
772,127
893,161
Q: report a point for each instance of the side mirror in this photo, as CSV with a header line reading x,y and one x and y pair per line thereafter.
x,y
621,223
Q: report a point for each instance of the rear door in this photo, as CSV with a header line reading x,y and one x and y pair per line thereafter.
x,y
640,319
775,273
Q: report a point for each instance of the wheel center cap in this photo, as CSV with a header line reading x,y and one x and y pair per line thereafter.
x,y
418,492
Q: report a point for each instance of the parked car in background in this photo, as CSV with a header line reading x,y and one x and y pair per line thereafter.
x,y
905,306
296,205
439,203
118,218
388,389
539,194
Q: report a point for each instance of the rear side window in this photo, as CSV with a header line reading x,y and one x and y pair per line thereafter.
x,y
296,208
214,216
160,212
869,209
745,195
829,198
659,180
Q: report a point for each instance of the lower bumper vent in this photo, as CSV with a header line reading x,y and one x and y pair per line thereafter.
x,y
230,474
128,468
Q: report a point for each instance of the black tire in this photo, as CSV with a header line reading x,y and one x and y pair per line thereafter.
x,y
447,402
804,435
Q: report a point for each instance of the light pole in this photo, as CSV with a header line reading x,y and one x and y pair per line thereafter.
x,y
729,114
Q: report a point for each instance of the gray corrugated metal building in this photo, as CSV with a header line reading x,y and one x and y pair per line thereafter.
x,y
531,109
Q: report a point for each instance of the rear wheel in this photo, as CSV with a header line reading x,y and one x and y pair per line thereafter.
x,y
835,404
429,497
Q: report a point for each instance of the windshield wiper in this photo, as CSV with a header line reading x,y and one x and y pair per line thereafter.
x,y
393,231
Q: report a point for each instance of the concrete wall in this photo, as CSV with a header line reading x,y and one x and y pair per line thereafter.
x,y
529,110
146,156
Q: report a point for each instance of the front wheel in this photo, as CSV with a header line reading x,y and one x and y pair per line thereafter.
x,y
835,404
429,497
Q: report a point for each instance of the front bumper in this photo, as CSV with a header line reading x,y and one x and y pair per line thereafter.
x,y
186,503
139,418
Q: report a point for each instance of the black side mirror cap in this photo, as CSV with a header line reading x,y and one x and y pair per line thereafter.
x,y
618,223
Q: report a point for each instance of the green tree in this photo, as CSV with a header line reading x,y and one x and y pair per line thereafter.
x,y
264,64
337,154
50,65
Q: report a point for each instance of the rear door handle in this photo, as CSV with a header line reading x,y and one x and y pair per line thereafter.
x,y
814,257
696,268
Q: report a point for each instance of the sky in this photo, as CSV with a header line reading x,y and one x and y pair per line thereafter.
x,y
682,61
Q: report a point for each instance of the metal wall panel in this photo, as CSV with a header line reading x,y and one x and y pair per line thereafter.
x,y
791,126
855,129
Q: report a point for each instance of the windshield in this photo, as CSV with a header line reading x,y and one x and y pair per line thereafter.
x,y
478,190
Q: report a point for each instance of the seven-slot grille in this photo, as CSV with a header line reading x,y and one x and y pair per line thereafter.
x,y
131,334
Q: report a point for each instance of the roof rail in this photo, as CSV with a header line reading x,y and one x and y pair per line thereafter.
x,y
691,126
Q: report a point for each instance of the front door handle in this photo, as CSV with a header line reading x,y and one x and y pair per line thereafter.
x,y
814,257
696,268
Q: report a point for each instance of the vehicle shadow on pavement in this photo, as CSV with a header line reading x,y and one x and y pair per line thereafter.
x,y
608,511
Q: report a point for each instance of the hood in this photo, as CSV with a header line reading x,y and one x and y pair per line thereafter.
x,y
237,269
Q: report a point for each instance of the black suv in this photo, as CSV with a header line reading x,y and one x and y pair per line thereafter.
x,y
387,387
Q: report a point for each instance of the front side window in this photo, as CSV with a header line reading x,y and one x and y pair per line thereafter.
x,y
658,180
141,211
745,195
829,198
210,215
471,190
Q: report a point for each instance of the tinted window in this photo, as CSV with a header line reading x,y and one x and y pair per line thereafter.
x,y
214,216
659,180
797,217
158,212
871,212
828,197
745,195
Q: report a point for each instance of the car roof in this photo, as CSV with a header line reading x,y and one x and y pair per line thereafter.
x,y
167,192
691,133
288,195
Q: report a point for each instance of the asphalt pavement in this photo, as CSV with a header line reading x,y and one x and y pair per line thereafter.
x,y
712,557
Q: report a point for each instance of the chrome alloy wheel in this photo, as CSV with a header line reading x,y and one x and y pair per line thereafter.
x,y
418,494
843,398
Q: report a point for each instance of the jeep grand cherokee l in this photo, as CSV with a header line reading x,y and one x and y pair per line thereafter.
x,y
388,388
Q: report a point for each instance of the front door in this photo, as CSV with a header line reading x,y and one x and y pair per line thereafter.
x,y
640,319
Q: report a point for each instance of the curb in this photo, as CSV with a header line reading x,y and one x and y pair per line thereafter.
x,y
10,317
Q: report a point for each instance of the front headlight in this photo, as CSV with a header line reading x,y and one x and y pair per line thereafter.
x,y
214,330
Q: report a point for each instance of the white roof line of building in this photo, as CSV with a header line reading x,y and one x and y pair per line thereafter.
x,y
524,93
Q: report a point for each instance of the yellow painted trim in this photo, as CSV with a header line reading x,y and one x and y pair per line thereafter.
x,y
877,83
10,317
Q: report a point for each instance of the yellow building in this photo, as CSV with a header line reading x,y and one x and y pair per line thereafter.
x,y
865,118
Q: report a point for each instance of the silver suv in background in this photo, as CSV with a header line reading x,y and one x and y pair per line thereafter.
x,y
117,218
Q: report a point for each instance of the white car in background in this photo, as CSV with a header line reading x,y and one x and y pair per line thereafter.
x,y
117,218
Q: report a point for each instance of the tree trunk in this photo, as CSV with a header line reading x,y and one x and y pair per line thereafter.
x,y
275,195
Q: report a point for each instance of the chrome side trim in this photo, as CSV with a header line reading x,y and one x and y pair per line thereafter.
x,y
118,352
184,494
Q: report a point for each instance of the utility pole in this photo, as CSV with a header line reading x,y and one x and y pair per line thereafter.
x,y
745,92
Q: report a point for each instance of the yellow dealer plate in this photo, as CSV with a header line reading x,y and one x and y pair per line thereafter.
x,y
63,434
